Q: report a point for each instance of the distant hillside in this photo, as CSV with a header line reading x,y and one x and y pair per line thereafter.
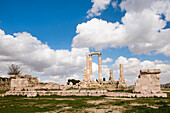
x,y
167,85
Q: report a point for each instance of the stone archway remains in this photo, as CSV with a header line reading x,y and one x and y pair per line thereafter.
x,y
88,71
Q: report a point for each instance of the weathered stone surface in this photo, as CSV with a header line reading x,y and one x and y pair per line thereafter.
x,y
23,82
81,93
89,66
150,71
111,75
121,82
148,81
4,83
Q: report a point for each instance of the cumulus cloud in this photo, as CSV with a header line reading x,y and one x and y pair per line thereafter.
x,y
105,71
107,60
35,57
142,29
132,66
98,6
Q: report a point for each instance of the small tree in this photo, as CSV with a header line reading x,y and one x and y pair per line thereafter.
x,y
14,70
73,81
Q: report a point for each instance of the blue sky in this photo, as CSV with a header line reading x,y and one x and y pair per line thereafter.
x,y
55,22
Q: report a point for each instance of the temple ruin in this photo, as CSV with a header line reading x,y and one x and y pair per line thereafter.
x,y
87,76
147,84
88,82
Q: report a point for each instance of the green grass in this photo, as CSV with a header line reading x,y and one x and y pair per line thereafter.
x,y
145,109
3,91
18,104
165,89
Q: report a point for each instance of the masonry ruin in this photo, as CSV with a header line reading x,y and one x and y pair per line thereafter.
x,y
147,84
148,81
23,82
89,83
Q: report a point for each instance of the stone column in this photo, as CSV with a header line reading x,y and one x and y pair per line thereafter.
x,y
100,67
88,68
121,71
122,83
111,75
90,64
84,74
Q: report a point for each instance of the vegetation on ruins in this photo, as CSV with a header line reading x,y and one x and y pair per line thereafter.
x,y
14,70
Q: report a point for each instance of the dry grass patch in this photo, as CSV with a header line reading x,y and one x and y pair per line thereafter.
x,y
96,102
115,98
64,99
105,109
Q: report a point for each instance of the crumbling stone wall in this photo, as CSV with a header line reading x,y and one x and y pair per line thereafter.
x,y
23,82
4,83
148,81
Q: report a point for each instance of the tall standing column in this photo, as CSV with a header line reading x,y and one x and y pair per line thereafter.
x,y
122,83
111,75
84,74
100,68
121,71
88,68
90,64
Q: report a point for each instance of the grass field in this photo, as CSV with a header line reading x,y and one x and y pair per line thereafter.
x,y
72,104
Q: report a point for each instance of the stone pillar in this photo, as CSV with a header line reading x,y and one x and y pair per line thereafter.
x,y
90,64
88,68
121,71
122,83
111,75
84,74
100,67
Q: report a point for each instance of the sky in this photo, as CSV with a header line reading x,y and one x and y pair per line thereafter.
x,y
51,38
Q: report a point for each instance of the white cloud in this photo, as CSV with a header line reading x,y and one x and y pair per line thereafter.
x,y
107,60
158,61
105,71
132,66
35,57
142,29
98,6
157,6
136,5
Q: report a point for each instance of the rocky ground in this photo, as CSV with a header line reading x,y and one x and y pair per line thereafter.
x,y
13,104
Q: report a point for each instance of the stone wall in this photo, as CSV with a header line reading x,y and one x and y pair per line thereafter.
x,y
81,93
23,82
4,83
148,81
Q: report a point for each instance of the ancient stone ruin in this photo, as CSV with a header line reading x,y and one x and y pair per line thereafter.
x,y
88,82
148,81
121,83
23,82
147,84
4,83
